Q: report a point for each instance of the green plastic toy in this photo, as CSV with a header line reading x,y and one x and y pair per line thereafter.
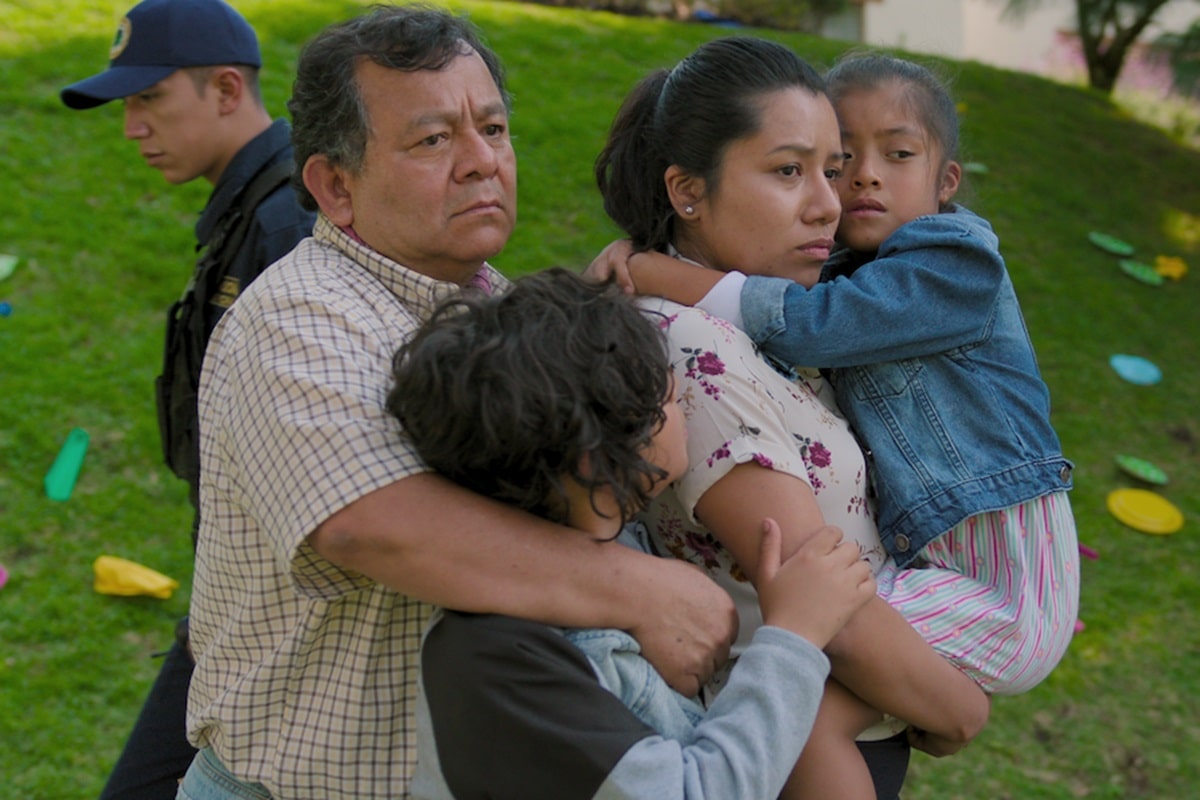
x,y
60,480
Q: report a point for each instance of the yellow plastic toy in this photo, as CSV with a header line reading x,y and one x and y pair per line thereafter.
x,y
1145,511
1171,267
117,576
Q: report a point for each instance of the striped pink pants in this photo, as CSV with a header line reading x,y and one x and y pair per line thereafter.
x,y
998,594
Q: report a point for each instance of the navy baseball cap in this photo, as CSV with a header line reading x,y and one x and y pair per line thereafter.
x,y
156,38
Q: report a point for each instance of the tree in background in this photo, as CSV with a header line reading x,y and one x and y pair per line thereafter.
x,y
1108,29
1183,51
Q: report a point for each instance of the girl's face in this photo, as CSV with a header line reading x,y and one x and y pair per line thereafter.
x,y
893,171
773,210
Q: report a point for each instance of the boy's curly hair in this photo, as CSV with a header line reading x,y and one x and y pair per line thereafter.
x,y
507,394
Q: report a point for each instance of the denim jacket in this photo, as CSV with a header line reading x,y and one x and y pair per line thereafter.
x,y
617,660
933,367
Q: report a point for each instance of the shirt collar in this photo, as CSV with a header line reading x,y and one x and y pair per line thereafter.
x,y
419,292
268,147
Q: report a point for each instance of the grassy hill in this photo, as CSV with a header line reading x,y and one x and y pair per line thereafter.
x,y
105,246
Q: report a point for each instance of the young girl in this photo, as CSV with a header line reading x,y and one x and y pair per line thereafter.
x,y
557,397
919,326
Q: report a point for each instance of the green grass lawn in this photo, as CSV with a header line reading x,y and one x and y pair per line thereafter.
x,y
105,246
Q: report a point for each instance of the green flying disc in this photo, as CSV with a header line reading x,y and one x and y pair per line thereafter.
x,y
1142,469
1141,272
1110,244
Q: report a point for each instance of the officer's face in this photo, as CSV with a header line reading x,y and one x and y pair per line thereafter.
x,y
173,125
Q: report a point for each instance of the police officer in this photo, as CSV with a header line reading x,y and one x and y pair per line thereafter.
x,y
187,73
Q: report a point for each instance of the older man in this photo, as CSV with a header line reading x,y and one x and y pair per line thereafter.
x,y
324,539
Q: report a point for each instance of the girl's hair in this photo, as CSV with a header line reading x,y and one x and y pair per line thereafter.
x,y
924,90
689,116
329,116
507,394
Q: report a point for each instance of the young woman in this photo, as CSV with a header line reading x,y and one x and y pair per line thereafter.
x,y
729,162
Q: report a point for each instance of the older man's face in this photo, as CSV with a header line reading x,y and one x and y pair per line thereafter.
x,y
437,192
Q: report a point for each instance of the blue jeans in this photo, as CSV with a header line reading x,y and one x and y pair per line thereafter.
x,y
207,779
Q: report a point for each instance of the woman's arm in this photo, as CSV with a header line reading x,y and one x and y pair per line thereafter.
x,y
879,656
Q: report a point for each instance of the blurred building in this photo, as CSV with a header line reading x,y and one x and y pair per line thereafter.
x,y
1042,41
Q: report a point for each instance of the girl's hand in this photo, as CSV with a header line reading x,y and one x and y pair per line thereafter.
x,y
613,265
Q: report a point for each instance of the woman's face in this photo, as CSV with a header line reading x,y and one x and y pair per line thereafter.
x,y
774,210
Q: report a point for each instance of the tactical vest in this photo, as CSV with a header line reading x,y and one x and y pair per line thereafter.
x,y
188,327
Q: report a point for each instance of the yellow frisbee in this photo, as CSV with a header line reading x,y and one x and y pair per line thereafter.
x,y
1145,511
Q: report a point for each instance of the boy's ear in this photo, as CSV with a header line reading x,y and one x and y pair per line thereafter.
x,y
329,187
948,186
585,465
230,87
685,190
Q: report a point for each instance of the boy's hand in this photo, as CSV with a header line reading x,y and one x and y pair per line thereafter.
x,y
613,265
817,589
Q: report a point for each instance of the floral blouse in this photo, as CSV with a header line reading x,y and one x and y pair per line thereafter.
x,y
739,409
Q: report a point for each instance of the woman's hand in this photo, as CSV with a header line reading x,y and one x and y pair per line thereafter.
x,y
613,265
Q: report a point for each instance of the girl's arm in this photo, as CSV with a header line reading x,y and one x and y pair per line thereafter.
x,y
662,275
652,273
906,303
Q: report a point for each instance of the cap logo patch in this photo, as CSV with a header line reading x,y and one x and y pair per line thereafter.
x,y
121,40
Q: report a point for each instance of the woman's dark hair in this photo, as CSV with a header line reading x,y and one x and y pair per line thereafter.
x,y
328,113
506,395
924,90
688,116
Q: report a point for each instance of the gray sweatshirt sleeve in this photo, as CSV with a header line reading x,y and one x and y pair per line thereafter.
x,y
749,740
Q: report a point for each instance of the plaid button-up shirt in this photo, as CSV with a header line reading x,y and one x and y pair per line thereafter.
x,y
306,672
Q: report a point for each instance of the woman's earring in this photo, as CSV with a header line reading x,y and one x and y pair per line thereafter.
x,y
688,210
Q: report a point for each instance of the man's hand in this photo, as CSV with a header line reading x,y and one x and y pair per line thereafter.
x,y
613,265
689,627
816,590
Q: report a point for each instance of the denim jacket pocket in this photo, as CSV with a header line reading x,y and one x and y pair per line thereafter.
x,y
879,381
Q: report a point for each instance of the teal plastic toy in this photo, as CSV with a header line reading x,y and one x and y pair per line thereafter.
x,y
60,480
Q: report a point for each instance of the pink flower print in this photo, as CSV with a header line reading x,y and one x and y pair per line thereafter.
x,y
720,453
858,505
819,455
704,548
815,456
763,461
703,363
710,364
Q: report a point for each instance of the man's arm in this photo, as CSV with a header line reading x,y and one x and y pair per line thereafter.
x,y
430,539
